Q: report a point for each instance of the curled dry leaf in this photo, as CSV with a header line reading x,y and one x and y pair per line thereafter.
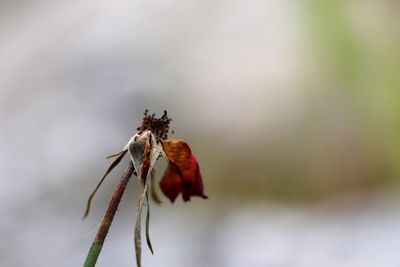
x,y
145,151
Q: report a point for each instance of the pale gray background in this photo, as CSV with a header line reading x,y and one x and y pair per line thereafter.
x,y
268,102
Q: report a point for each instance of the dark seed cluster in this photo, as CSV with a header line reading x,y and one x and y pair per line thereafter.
x,y
158,126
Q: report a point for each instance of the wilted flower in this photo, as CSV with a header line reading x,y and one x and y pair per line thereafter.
x,y
182,175
183,172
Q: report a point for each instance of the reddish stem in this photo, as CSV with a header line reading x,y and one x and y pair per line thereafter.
x,y
98,242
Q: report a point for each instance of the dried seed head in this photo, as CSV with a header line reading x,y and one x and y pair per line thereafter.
x,y
158,126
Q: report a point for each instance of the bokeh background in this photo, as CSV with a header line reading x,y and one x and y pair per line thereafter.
x,y
291,107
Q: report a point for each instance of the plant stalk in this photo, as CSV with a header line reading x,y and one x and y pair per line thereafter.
x,y
98,242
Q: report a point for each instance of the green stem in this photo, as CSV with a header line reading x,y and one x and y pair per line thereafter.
x,y
98,242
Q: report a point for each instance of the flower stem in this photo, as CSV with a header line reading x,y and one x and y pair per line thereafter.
x,y
98,242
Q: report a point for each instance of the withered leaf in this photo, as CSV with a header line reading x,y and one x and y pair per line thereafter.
x,y
155,152
119,156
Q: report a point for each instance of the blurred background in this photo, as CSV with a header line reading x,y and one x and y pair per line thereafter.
x,y
291,107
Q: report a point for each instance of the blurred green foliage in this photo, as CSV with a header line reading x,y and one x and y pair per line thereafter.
x,y
359,43
349,139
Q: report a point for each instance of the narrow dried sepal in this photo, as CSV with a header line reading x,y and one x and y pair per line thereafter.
x,y
119,156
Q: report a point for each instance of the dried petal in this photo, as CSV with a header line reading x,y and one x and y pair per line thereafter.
x,y
152,151
145,165
136,148
171,182
183,172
